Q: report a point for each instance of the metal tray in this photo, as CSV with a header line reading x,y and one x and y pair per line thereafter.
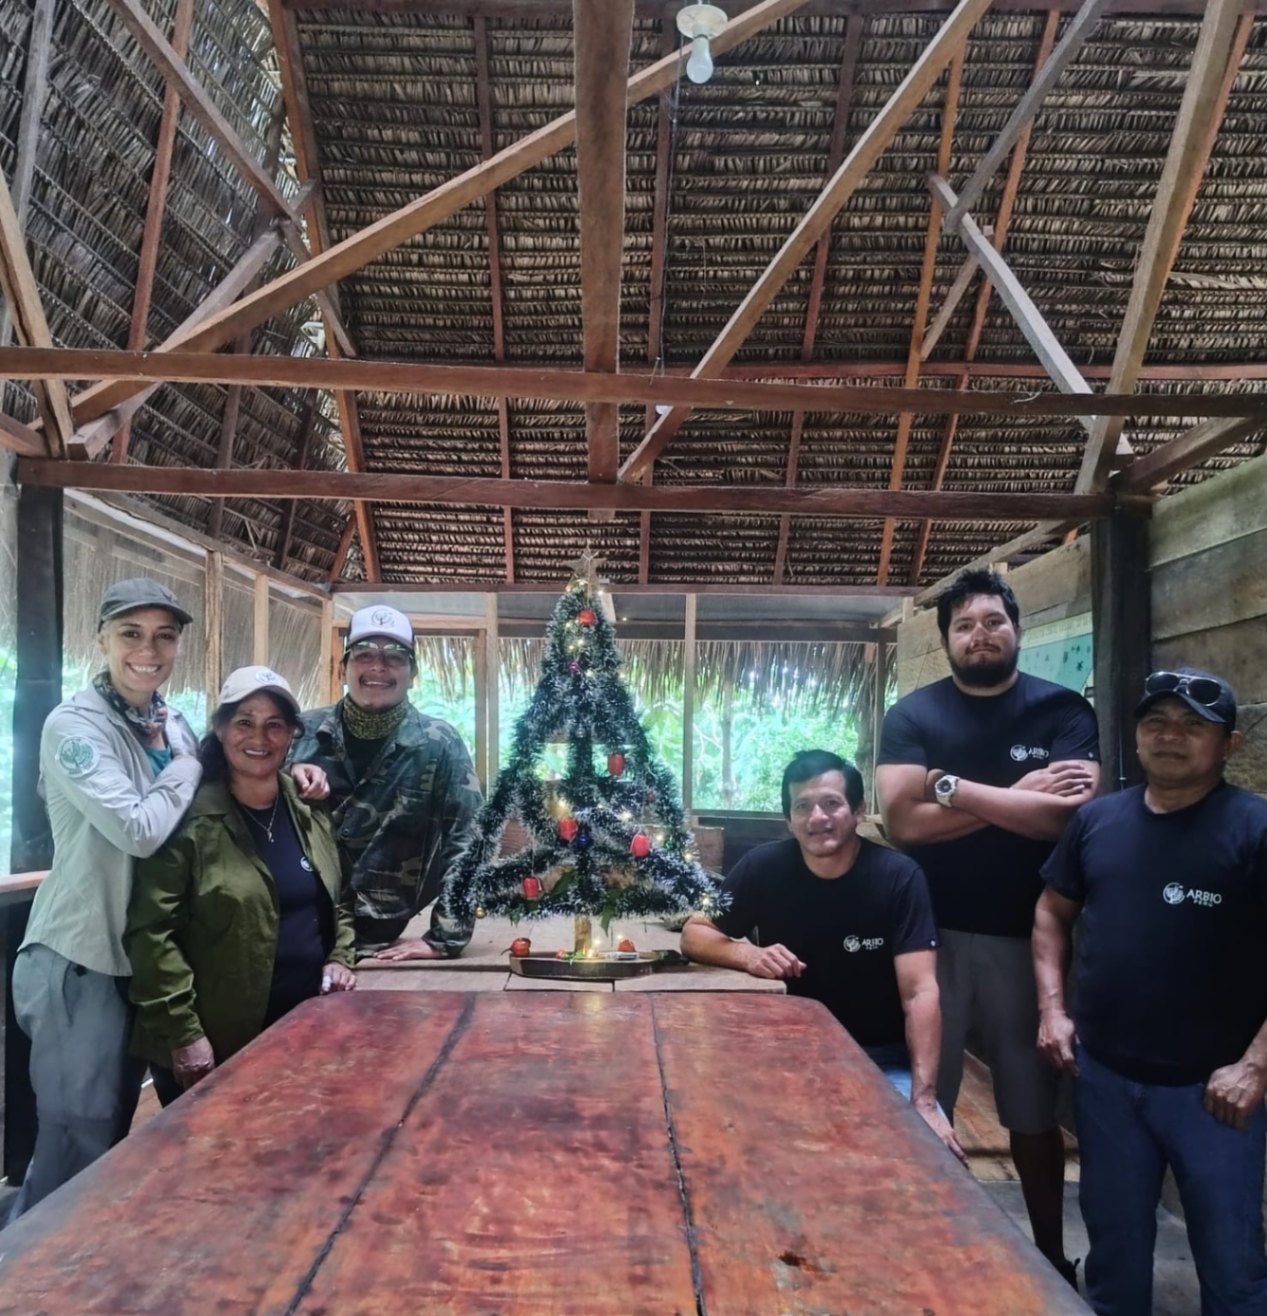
x,y
596,970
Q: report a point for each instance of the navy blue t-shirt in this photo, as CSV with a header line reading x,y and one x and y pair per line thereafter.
x,y
1169,969
846,929
987,881
305,929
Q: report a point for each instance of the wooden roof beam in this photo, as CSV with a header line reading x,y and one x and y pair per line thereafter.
x,y
484,104
1166,461
998,235
94,436
789,482
1029,319
555,385
39,48
1040,534
1220,46
151,234
1027,108
22,293
602,33
385,234
879,133
338,340
307,435
20,438
557,494
923,298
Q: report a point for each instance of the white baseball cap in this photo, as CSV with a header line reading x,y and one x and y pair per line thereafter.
x,y
247,681
379,619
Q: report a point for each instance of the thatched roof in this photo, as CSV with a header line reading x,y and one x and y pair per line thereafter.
x,y
393,94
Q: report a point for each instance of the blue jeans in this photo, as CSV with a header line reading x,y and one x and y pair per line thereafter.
x,y
1127,1134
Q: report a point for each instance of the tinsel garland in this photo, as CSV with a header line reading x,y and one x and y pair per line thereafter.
x,y
580,696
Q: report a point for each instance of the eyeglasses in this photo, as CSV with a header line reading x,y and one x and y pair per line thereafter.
x,y
392,654
1201,689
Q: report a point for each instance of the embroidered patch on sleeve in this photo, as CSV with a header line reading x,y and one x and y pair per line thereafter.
x,y
77,756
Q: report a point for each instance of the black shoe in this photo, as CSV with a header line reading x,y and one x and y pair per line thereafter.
x,y
1068,1271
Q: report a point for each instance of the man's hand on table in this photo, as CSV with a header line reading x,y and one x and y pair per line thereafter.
x,y
409,950
772,962
337,977
193,1061
942,1127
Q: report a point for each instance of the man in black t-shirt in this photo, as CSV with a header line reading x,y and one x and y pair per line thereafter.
x,y
977,775
843,921
1168,1041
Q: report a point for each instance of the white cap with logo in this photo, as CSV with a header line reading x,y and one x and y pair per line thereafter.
x,y
247,681
379,619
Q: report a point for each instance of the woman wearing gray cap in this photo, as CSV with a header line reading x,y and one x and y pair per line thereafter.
x,y
118,769
239,917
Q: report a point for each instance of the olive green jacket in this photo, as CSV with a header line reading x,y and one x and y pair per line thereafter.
x,y
202,926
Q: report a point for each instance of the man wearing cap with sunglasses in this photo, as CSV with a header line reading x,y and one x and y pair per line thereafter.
x,y
402,785
1168,1036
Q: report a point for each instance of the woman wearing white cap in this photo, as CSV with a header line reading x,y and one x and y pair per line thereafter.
x,y
239,917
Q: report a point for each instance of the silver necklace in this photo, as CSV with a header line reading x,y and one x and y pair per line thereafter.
x,y
266,828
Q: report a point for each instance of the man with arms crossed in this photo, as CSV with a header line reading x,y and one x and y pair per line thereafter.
x,y
402,788
979,774
1168,1041
843,921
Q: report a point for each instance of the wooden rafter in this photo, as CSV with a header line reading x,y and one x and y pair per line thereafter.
x,y
558,494
555,385
385,234
923,298
835,154
39,50
20,438
659,259
449,586
1174,371
338,340
1027,107
307,435
156,206
1040,534
1220,45
94,436
603,30
998,235
1029,319
484,103
1202,441
865,152
341,553
22,294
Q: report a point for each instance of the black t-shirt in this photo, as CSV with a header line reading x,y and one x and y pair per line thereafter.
x,y
846,929
987,881
305,929
1169,959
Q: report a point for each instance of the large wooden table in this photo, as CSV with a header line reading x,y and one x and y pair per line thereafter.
x,y
552,1153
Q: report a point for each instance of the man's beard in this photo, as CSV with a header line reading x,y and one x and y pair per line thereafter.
x,y
985,675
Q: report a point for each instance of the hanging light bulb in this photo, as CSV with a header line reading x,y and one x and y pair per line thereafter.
x,y
699,68
700,23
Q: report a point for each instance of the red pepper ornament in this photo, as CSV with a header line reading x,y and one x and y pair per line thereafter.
x,y
640,846
568,829
587,616
532,888
615,764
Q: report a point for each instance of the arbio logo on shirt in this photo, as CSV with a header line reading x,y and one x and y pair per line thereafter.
x,y
1175,894
852,943
1022,752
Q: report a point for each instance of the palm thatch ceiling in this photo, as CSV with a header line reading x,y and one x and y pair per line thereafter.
x,y
389,99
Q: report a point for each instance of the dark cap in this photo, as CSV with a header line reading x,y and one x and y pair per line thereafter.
x,y
1207,695
140,592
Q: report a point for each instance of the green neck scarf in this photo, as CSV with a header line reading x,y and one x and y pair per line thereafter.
x,y
371,726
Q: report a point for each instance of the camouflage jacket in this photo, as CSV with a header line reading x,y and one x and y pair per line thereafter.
x,y
402,825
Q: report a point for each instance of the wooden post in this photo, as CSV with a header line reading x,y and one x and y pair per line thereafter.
x,y
1121,621
259,652
882,652
481,708
493,663
38,691
213,620
688,705
329,689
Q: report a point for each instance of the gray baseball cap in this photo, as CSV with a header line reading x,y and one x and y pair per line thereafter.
x,y
139,592
247,681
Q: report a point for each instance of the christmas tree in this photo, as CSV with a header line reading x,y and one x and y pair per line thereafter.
x,y
607,836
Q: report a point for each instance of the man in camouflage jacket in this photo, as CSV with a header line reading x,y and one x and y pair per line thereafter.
x,y
403,790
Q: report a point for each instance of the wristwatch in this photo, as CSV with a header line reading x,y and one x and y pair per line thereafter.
x,y
944,790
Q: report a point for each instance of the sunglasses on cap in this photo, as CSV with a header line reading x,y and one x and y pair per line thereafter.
x,y
1202,690
393,654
